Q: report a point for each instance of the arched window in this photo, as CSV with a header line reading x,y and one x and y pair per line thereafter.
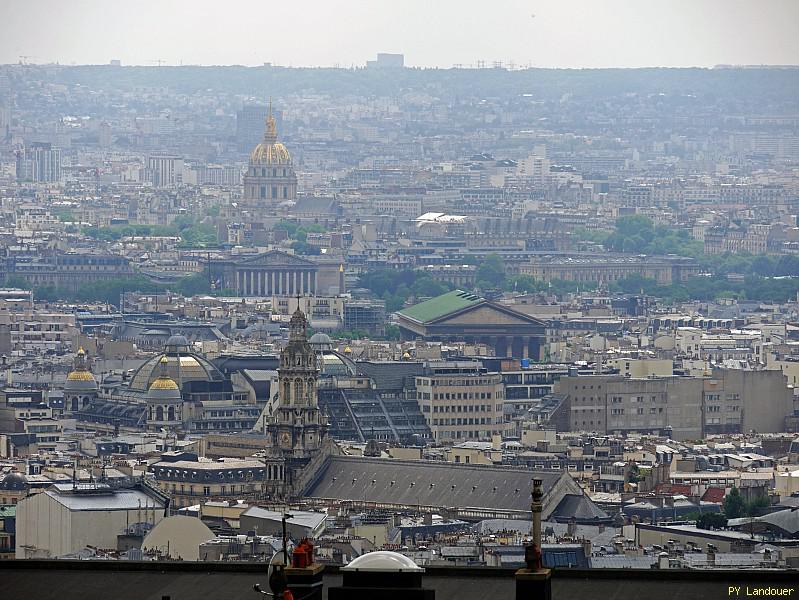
x,y
263,191
171,413
159,413
298,391
310,390
75,404
286,392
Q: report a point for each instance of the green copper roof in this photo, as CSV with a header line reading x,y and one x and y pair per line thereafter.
x,y
437,307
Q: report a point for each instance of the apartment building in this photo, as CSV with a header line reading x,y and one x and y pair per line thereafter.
x,y
461,401
191,481
28,331
727,401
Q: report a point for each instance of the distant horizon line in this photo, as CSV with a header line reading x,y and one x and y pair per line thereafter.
x,y
499,66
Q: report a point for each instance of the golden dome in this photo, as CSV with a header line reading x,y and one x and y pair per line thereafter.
x,y
347,350
270,154
80,376
164,383
80,372
270,151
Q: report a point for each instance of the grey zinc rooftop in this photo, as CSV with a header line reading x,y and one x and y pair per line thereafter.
x,y
301,518
426,483
119,500
622,561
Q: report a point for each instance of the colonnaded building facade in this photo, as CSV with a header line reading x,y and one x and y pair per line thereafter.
x,y
270,183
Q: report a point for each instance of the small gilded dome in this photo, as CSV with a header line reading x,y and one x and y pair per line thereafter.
x,y
80,376
164,387
80,379
164,383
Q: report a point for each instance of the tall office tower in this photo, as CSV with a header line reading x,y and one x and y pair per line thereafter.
x,y
386,60
5,109
39,162
165,170
249,121
270,177
105,135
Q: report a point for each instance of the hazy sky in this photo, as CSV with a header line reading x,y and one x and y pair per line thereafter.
x,y
551,33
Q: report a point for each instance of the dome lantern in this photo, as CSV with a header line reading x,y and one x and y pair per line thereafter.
x,y
270,151
80,379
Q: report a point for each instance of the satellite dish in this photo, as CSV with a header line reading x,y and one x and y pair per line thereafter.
x,y
279,559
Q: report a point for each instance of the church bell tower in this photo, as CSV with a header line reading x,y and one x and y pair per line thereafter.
x,y
296,428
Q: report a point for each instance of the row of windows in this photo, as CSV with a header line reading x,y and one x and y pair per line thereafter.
x,y
724,482
223,490
638,399
223,413
469,435
556,466
638,411
465,396
475,421
254,172
236,425
463,408
285,192
461,382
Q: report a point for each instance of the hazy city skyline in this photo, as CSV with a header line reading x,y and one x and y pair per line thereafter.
x,y
571,34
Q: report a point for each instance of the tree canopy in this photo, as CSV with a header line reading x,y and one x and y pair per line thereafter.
x,y
734,505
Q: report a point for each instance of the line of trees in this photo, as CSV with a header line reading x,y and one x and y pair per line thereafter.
x,y
193,233
299,233
109,290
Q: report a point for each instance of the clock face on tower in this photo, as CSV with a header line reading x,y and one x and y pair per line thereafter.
x,y
285,439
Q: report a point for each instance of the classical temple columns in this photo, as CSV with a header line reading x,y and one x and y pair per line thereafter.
x,y
275,282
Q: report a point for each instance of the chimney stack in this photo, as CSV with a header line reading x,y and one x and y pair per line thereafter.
x,y
534,581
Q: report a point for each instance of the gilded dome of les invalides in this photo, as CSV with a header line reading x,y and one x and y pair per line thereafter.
x,y
270,151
